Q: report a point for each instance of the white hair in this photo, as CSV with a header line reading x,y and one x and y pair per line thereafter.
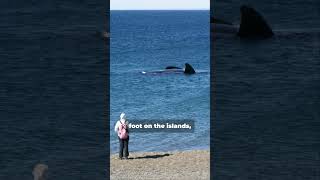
x,y
122,116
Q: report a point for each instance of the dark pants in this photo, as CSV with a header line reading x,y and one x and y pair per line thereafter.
x,y
123,149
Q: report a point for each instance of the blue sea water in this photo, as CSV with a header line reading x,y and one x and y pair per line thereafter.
x,y
151,40
266,123
52,89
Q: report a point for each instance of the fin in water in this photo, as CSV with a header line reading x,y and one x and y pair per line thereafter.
x,y
189,69
253,24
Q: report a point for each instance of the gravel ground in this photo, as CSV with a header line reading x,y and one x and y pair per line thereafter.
x,y
185,165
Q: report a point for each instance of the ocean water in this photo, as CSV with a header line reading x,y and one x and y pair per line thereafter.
x,y
267,94
52,89
151,40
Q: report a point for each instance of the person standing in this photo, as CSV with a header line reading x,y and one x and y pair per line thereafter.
x,y
122,129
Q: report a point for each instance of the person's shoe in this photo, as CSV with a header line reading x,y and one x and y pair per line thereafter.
x,y
125,157
120,158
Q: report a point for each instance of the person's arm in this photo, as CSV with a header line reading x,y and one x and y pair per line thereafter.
x,y
127,126
116,127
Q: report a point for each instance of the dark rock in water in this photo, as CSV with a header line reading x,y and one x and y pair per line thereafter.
x,y
253,24
189,69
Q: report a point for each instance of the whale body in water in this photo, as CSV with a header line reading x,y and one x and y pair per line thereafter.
x,y
188,69
252,24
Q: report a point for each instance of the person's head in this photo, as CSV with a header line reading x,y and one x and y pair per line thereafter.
x,y
40,172
123,116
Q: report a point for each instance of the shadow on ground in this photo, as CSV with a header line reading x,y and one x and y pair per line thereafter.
x,y
152,156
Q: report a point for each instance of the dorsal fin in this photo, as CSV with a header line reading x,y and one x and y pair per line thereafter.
x,y
189,69
253,24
